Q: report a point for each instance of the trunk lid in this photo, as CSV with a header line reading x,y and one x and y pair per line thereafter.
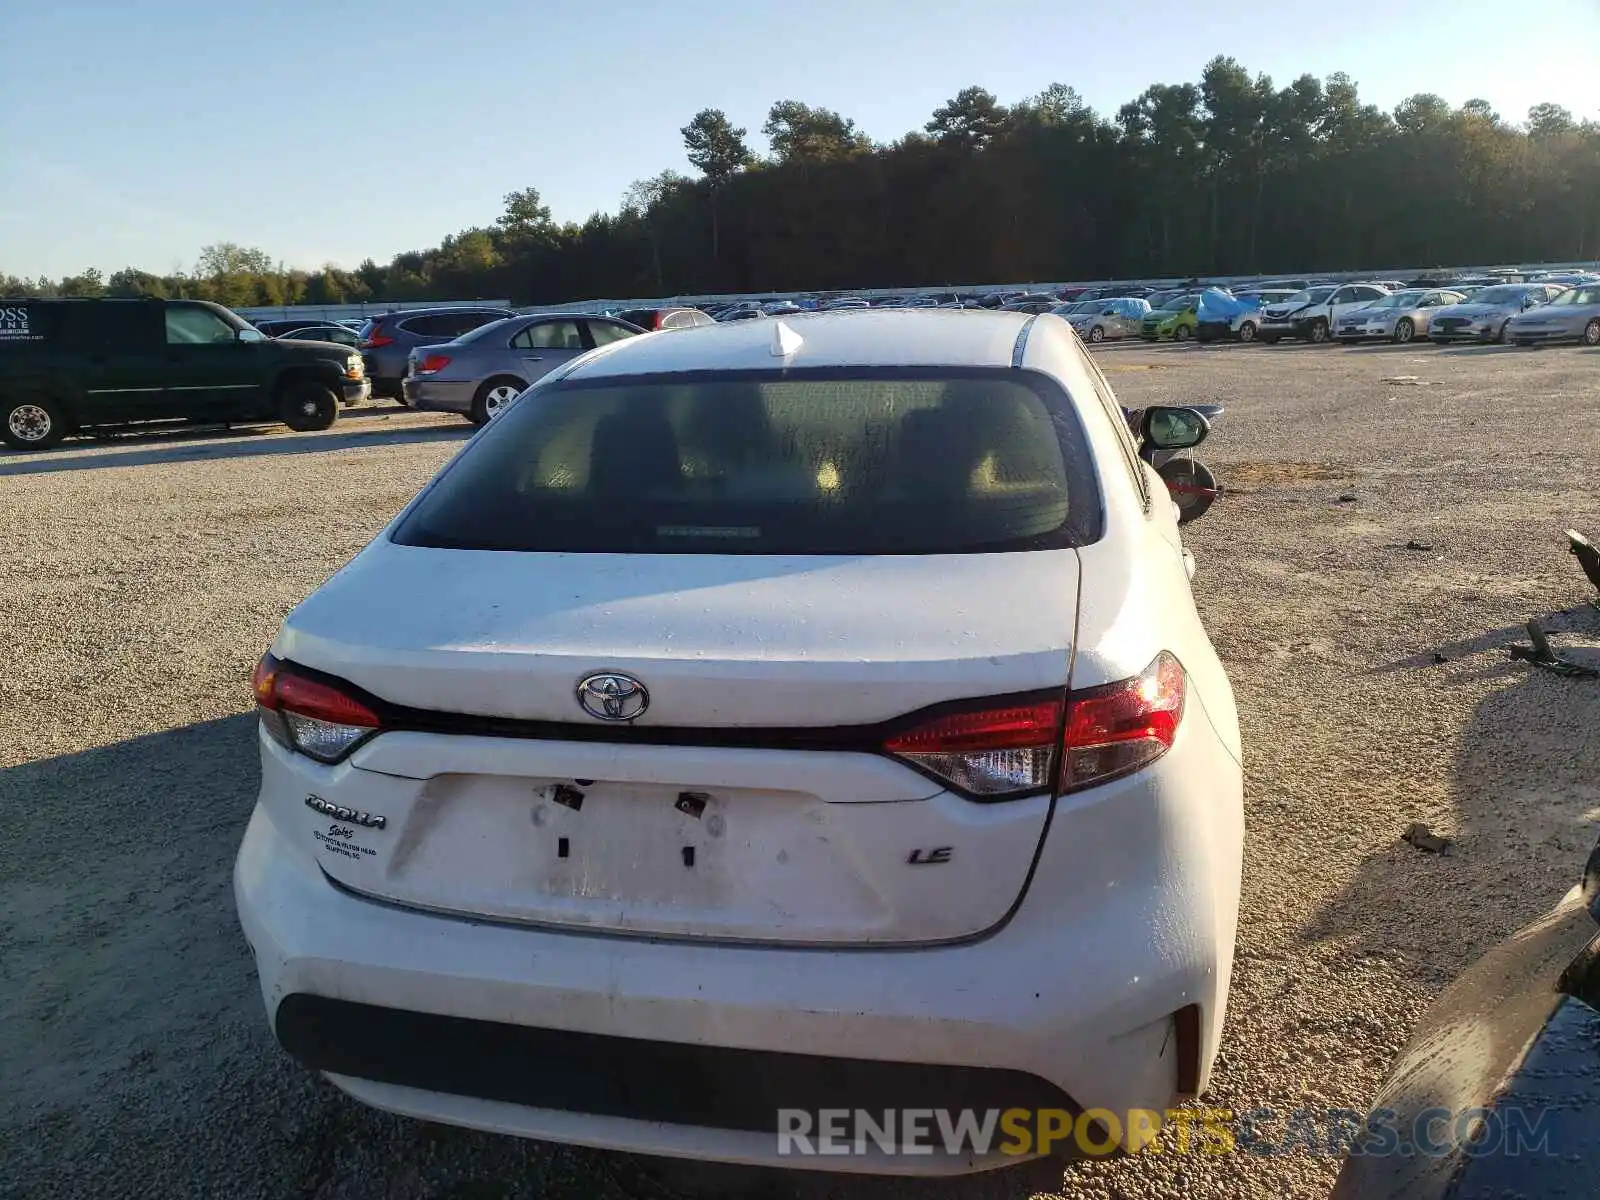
x,y
705,816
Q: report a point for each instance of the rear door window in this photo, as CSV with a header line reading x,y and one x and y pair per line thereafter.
x,y
606,332
115,325
436,325
549,335
895,461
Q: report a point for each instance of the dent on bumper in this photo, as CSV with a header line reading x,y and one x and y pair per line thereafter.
x,y
1130,917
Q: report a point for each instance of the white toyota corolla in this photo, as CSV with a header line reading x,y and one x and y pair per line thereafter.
x,y
775,716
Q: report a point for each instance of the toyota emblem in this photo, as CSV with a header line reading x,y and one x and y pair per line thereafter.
x,y
612,696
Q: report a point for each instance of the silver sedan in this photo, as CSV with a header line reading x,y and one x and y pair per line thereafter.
x,y
481,372
1573,316
1485,315
1398,317
1105,320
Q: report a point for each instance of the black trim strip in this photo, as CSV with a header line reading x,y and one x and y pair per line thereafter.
x,y
676,1083
861,739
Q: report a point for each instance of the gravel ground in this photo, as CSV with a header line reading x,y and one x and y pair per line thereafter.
x,y
142,577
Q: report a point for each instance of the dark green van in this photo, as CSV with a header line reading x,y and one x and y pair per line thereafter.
x,y
68,365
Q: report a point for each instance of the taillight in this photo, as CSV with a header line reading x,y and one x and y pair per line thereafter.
x,y
433,362
311,716
1120,727
655,322
994,752
375,338
989,752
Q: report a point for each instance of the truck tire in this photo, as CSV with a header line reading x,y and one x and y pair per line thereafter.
x,y
306,406
31,422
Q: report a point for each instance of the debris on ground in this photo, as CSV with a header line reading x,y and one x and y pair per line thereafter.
x,y
1407,380
1543,655
1347,497
1424,839
1588,556
1416,545
1440,658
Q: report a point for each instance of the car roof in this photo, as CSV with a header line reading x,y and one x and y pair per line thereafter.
x,y
860,338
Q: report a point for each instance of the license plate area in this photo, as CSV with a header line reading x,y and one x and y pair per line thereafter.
x,y
639,843
654,857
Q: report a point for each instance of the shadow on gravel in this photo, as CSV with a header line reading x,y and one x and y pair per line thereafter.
x,y
133,1040
188,445
1526,791
1577,619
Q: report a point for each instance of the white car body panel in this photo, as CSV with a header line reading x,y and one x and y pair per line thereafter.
x,y
720,640
1059,937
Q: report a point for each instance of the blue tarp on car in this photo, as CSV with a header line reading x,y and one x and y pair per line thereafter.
x,y
1218,305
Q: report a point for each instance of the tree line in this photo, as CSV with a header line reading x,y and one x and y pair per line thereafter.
x,y
1231,174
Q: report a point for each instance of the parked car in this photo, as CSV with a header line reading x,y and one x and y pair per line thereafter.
x,y
1176,319
1313,313
1485,315
276,327
341,335
561,806
1573,316
1109,320
1030,302
839,302
650,319
481,372
387,341
1495,1094
69,365
1398,317
1240,326
745,313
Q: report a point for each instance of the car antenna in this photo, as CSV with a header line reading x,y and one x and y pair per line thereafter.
x,y
785,341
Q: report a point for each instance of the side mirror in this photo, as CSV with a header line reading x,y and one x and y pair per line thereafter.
x,y
1173,428
252,335
1591,882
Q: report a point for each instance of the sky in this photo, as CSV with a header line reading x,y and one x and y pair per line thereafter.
x,y
136,133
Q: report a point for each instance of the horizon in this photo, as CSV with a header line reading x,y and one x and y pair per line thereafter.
x,y
366,170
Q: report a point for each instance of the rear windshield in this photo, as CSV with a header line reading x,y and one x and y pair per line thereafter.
x,y
817,462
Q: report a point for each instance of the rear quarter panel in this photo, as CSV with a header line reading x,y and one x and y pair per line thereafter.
x,y
1134,594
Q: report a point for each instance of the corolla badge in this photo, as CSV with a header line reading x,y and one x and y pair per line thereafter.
x,y
612,696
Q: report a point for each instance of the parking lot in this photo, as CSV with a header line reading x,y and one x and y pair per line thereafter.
x,y
1386,506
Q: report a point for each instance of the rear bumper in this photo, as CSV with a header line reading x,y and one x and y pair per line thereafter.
x,y
435,395
1129,919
